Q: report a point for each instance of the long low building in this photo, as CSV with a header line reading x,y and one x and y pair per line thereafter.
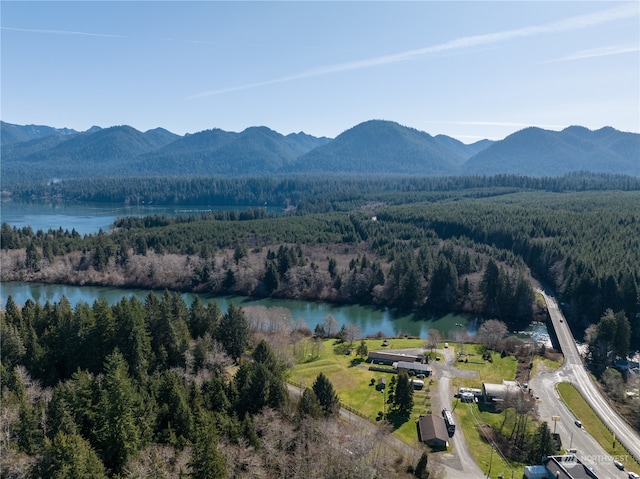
x,y
384,357
413,367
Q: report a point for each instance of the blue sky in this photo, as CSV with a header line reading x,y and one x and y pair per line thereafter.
x,y
469,70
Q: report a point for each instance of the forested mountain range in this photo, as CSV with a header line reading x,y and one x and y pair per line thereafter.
x,y
376,147
548,153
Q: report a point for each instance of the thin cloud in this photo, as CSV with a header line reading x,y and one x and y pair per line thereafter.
x,y
61,32
570,24
597,52
496,124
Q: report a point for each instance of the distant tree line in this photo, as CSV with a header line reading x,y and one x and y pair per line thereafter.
x,y
306,193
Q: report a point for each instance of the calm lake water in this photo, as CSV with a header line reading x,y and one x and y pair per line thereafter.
x,y
89,218
370,320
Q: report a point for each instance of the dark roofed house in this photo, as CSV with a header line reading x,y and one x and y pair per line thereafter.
x,y
415,367
567,467
433,431
384,357
382,383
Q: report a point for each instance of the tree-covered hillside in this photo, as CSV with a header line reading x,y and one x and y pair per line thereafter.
x,y
377,148
406,243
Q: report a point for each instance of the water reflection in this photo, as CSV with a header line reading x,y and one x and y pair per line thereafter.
x,y
370,320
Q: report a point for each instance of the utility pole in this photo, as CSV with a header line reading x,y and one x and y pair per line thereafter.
x,y
555,420
490,460
461,326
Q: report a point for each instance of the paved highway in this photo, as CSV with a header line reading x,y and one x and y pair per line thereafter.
x,y
574,371
550,405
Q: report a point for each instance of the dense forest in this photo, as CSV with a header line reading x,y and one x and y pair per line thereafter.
x,y
144,389
439,244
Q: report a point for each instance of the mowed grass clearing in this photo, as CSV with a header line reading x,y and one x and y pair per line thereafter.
x,y
351,378
468,415
488,372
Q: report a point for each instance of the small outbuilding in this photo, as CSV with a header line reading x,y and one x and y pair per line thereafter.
x,y
433,431
382,383
498,392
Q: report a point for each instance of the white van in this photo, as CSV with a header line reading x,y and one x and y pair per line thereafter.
x,y
417,383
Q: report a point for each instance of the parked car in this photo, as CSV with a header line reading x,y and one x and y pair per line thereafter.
x,y
619,465
633,475
578,423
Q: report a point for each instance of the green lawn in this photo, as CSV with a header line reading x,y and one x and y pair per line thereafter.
x,y
351,379
495,372
592,423
539,362
468,415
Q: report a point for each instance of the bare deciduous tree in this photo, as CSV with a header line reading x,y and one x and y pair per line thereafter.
x,y
330,325
433,339
491,332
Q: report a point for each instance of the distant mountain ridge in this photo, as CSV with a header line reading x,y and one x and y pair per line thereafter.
x,y
537,152
375,147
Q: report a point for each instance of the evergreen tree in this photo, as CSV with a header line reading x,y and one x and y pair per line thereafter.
x,y
443,289
421,471
492,287
541,444
120,435
206,461
69,456
622,338
362,350
32,258
28,432
309,404
233,332
271,277
132,338
174,412
403,396
326,395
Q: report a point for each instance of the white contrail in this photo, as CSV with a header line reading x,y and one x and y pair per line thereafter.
x,y
61,32
574,23
597,52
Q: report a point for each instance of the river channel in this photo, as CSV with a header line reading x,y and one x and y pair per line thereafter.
x,y
370,320
89,218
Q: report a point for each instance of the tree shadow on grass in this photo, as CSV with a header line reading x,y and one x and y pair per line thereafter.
x,y
397,418
356,362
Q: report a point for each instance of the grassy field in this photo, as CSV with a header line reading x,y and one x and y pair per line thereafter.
x,y
468,415
592,423
495,372
351,379
351,376
544,363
